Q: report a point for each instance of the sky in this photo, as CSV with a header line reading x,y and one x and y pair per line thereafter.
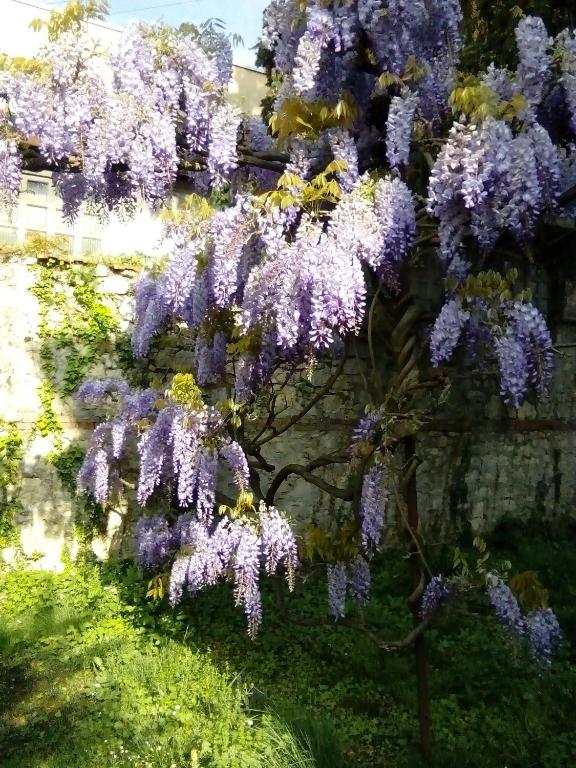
x,y
243,17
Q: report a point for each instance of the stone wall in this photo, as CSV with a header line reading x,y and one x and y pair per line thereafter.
x,y
478,464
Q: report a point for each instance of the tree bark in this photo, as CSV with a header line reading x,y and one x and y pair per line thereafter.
x,y
416,579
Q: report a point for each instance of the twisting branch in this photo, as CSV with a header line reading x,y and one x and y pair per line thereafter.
x,y
568,197
35,162
382,643
322,392
306,474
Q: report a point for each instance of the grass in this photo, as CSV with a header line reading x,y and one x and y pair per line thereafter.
x,y
93,674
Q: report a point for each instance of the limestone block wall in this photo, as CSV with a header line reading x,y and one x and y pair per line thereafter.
x,y
478,464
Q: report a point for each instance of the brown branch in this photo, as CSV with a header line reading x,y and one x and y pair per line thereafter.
x,y
382,643
568,196
322,392
305,473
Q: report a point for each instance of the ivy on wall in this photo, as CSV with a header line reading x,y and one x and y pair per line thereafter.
x,y
11,452
76,327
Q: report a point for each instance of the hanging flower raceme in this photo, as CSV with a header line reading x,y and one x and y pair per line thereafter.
x,y
10,174
202,553
540,627
535,63
373,502
399,129
513,332
437,591
345,579
163,83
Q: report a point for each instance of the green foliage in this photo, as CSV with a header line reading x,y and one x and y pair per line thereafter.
x,y
48,422
298,117
185,391
320,190
67,461
87,681
475,100
90,666
11,452
72,17
489,27
75,323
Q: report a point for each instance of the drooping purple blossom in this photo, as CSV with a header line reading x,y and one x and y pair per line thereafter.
x,y
153,541
359,579
373,502
94,474
337,586
95,390
150,314
320,33
345,151
234,456
437,591
535,63
10,174
394,209
364,431
222,157
506,607
544,634
447,330
278,543
246,568
399,129
154,453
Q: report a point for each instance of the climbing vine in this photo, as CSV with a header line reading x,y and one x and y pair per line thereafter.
x,y
11,452
76,327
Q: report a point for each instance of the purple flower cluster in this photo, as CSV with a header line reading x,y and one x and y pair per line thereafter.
x,y
486,181
108,439
132,119
320,33
515,332
153,542
364,431
206,554
544,634
235,457
399,129
222,154
344,149
10,173
337,586
373,502
447,331
394,209
344,578
535,63
540,628
566,44
524,354
506,607
95,390
437,591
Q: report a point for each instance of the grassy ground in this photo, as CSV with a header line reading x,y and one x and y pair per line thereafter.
x,y
93,674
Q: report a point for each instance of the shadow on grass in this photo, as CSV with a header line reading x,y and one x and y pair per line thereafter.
x,y
43,687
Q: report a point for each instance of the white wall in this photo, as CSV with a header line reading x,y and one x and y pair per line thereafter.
x,y
142,233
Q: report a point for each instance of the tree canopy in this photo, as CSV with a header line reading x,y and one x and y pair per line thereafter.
x,y
383,151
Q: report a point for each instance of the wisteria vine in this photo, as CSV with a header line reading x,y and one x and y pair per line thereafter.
x,y
380,154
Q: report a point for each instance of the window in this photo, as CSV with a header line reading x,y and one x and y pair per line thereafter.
x,y
91,245
8,235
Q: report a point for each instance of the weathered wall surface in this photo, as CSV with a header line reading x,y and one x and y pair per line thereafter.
x,y
478,464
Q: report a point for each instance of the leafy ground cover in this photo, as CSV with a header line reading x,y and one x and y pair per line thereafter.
x,y
94,674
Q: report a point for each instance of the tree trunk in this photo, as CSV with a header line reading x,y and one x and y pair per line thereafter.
x,y
416,575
